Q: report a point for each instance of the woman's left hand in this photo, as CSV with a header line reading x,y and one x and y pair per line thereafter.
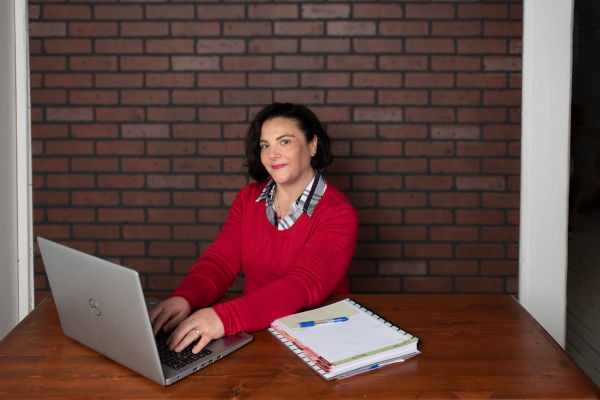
x,y
206,321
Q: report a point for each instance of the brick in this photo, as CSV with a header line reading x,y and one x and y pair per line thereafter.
x,y
378,148
247,29
351,97
503,28
66,46
47,63
482,114
85,231
454,200
354,131
403,28
515,115
265,46
500,200
89,164
122,181
144,63
274,80
377,182
95,198
92,29
438,267
479,217
273,11
35,46
48,96
455,97
59,11
49,131
145,164
481,183
53,164
429,148
171,147
360,200
455,63
429,45
351,28
454,234
502,63
379,250
379,216
146,198
230,79
428,284
304,28
222,182
95,131
332,114
220,11
377,11
93,97
119,147
121,114
33,12
118,46
51,232
325,11
430,11
196,97
480,251
502,268
122,248
430,250
341,165
197,165
340,148
483,11
71,214
130,131
378,114
432,182
199,131
325,79
145,29
502,166
118,12
481,80
376,284
455,165
404,63
219,46
247,97
402,234
362,267
516,11
119,80
428,217
163,283
484,46
226,148
500,234
196,199
234,165
428,80
300,96
171,114
403,131
455,132
515,46
45,29
35,80
376,45
400,199
476,148
138,97
512,251
196,233
149,265
170,12
147,232
251,63
516,81
215,114
479,285
403,97
324,45
402,267
402,165
171,80
195,29
93,63
171,215
350,62
71,114
456,28
514,183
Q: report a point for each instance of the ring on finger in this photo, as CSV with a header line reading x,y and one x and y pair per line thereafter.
x,y
197,331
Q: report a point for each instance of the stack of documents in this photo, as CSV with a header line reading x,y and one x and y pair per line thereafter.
x,y
364,341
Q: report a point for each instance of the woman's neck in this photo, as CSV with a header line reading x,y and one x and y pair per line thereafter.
x,y
290,192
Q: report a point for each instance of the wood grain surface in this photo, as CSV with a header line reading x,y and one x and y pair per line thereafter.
x,y
474,346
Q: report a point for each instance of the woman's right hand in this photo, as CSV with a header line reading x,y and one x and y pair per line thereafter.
x,y
169,313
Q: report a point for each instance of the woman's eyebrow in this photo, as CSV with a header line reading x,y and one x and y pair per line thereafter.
x,y
280,137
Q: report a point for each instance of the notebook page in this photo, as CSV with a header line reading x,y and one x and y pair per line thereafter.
x,y
359,337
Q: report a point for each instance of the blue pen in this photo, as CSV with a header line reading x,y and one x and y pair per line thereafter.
x,y
320,322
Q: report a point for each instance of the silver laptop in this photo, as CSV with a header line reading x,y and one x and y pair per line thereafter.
x,y
101,305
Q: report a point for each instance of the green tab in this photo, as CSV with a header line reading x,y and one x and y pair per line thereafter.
x,y
371,353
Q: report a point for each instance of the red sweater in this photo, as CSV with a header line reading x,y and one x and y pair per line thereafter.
x,y
285,271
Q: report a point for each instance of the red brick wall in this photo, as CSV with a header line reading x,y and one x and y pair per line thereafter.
x,y
139,109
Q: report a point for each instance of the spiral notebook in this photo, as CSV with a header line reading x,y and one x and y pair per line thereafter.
x,y
365,342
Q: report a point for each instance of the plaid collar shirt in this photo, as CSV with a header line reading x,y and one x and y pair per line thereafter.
x,y
306,203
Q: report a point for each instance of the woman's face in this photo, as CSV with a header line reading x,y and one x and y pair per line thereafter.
x,y
284,151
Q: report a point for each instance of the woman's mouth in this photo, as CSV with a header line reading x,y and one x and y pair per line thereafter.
x,y
278,166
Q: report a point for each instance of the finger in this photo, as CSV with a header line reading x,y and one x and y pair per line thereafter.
x,y
154,312
189,338
161,319
179,333
175,320
204,341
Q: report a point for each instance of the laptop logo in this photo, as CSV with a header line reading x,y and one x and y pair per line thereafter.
x,y
94,307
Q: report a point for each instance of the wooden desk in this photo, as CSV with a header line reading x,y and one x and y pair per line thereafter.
x,y
474,346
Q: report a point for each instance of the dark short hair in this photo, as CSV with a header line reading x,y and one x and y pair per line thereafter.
x,y
306,121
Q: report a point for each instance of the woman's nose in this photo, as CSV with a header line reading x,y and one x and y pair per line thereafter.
x,y
273,153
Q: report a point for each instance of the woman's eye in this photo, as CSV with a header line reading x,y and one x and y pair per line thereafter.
x,y
285,141
264,146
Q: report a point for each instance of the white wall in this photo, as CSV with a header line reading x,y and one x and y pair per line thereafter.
x,y
547,49
16,292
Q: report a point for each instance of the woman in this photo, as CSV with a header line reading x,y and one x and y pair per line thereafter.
x,y
293,235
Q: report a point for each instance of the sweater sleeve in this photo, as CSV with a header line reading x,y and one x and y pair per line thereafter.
x,y
219,266
321,264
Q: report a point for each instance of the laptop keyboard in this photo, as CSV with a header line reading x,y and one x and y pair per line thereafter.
x,y
177,360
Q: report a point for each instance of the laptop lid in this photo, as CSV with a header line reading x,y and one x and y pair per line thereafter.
x,y
101,305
